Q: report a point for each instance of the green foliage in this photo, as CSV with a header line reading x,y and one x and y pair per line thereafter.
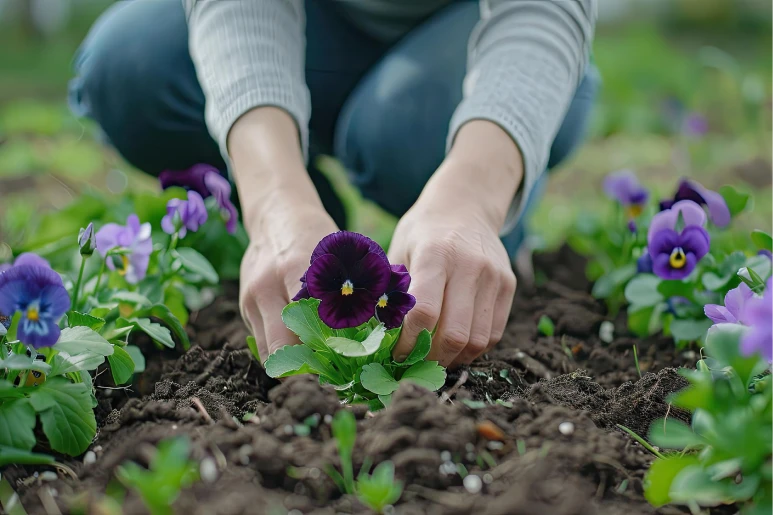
x,y
357,362
726,452
169,473
545,326
380,489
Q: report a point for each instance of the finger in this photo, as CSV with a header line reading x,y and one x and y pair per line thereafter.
x,y
502,308
482,320
428,287
455,323
270,305
254,323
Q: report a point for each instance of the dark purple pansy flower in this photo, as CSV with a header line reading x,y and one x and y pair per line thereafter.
x,y
135,238
719,213
184,215
38,294
25,259
205,180
675,254
624,187
303,293
393,305
758,315
644,263
348,274
733,310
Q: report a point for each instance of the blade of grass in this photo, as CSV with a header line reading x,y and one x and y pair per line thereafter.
x,y
642,441
636,360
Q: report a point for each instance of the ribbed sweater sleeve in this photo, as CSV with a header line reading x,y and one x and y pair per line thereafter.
x,y
249,53
526,59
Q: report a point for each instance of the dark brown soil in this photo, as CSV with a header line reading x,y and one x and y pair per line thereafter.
x,y
572,381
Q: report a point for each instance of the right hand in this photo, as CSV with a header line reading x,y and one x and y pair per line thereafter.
x,y
275,261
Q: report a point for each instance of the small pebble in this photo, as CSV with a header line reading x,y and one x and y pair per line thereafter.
x,y
494,445
314,473
98,448
389,509
174,426
472,484
328,419
607,331
208,470
447,468
689,355
244,454
89,458
445,456
488,478
48,475
288,429
520,355
469,447
470,456
566,428
295,512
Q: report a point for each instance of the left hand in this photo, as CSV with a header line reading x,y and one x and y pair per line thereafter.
x,y
449,240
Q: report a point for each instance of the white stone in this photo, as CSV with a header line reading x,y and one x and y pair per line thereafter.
x,y
607,331
89,458
566,428
208,470
472,484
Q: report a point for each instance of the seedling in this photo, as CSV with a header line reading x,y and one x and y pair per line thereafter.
x,y
546,326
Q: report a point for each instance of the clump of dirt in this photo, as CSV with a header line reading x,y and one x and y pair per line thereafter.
x,y
530,428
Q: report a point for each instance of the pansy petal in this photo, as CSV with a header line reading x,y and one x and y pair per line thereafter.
x,y
167,225
350,247
372,273
398,305
41,333
192,178
719,314
644,263
56,301
736,299
399,280
663,241
326,274
340,312
696,192
107,237
696,240
692,214
303,293
31,259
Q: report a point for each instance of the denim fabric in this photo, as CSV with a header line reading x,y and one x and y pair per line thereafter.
x,y
384,111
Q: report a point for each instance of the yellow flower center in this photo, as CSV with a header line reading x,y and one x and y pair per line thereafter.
x,y
124,265
347,288
677,259
33,313
382,301
634,210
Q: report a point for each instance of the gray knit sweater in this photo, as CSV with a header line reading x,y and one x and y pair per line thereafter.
x,y
525,60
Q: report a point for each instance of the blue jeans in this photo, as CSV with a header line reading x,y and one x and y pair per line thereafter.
x,y
383,110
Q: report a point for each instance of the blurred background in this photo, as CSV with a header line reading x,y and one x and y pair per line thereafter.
x,y
687,92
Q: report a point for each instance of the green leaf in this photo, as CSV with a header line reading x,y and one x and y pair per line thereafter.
x,y
760,264
162,313
736,200
607,284
156,331
354,349
82,319
386,400
80,339
293,360
420,350
723,345
643,290
302,318
546,326
137,358
121,366
17,424
375,378
657,482
130,297
686,330
23,362
670,289
197,264
64,363
66,414
427,374
673,434
762,240
694,484
252,344
15,456
174,299
344,428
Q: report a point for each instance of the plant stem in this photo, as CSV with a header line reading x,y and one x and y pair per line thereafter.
x,y
642,441
99,278
636,360
77,291
173,242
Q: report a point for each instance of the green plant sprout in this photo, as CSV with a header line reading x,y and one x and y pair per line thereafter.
x,y
377,490
546,326
170,472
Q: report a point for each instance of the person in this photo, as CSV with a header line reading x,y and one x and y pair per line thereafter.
x,y
444,112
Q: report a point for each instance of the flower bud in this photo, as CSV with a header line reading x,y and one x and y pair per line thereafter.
x,y
87,243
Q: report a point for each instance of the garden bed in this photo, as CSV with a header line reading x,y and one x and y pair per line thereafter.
x,y
550,446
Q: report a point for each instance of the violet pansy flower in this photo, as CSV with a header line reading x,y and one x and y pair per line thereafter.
x,y
26,259
393,305
624,187
205,180
758,315
135,238
184,215
348,274
644,263
719,213
733,310
38,294
675,250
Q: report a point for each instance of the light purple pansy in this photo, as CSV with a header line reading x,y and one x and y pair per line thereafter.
x,y
348,274
675,254
184,215
624,187
205,180
733,310
758,315
135,238
38,294
393,305
719,213
25,259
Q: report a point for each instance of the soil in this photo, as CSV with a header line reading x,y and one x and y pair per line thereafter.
x,y
536,419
